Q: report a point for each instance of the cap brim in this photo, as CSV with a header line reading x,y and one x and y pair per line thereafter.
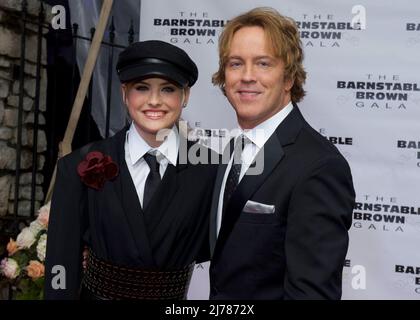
x,y
146,71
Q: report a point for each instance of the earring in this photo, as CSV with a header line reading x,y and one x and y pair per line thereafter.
x,y
184,105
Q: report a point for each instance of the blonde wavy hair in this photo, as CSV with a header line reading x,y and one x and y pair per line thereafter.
x,y
284,38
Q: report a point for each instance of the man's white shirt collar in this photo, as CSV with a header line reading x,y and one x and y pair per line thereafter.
x,y
261,133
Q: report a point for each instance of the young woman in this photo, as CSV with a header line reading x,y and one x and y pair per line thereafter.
x,y
134,199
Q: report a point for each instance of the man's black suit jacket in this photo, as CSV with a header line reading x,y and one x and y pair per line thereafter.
x,y
298,251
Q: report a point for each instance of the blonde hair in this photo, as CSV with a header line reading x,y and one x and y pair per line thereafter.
x,y
283,35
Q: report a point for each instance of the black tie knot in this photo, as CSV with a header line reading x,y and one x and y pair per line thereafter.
x,y
240,144
152,162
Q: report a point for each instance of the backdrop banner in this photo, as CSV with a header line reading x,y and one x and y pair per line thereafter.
x,y
363,94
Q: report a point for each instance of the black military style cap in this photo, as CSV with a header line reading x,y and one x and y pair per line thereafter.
x,y
156,58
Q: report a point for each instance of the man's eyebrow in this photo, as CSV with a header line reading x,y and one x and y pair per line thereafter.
x,y
233,57
254,58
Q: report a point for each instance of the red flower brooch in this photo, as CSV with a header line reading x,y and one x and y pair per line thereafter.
x,y
96,169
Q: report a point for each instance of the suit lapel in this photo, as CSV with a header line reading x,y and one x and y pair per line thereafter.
x,y
271,155
127,194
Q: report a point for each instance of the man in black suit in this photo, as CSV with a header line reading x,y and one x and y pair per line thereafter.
x,y
282,233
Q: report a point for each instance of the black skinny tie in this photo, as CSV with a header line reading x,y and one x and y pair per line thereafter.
x,y
153,179
234,173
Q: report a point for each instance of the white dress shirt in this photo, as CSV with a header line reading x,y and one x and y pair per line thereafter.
x,y
258,136
135,148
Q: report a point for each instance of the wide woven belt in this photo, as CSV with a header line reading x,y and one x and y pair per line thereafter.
x,y
107,281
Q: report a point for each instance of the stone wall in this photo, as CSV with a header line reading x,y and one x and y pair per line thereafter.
x,y
10,51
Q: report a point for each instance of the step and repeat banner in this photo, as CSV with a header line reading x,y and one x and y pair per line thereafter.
x,y
363,94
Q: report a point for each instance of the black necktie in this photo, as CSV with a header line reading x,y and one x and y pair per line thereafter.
x,y
234,173
153,179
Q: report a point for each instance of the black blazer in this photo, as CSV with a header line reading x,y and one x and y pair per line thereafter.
x,y
171,233
298,251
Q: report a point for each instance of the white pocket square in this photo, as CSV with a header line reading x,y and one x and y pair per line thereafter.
x,y
257,207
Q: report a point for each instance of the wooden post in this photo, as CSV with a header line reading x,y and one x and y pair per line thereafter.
x,y
65,145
